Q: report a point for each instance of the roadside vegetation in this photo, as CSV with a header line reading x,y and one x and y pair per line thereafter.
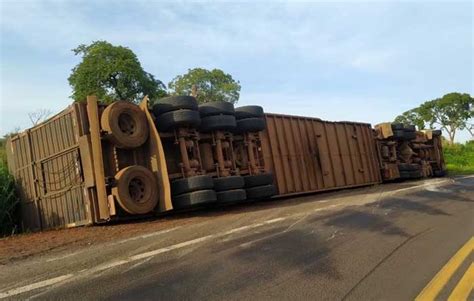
x,y
451,113
114,73
9,201
459,158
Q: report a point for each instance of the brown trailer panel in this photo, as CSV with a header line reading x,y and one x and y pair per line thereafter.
x,y
46,163
308,154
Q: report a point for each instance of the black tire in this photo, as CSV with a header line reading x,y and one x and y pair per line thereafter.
x,y
175,119
249,112
408,167
404,175
191,184
228,183
231,196
402,135
218,123
216,108
398,134
250,125
397,126
416,174
173,103
261,192
193,199
436,133
409,128
409,135
439,173
258,180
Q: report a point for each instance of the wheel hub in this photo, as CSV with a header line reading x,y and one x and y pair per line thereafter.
x,y
136,189
127,124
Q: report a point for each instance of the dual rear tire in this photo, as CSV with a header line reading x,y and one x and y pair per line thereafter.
x,y
230,189
193,192
260,186
176,112
217,116
250,119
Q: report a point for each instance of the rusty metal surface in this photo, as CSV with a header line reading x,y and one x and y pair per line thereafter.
x,y
45,161
309,154
157,162
97,158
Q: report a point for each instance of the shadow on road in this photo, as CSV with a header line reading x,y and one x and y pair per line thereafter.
x,y
353,219
409,205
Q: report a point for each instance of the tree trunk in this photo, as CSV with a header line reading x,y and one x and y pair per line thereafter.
x,y
451,133
471,131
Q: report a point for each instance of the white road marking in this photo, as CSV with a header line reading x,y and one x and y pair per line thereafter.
x,y
137,265
149,254
33,286
61,257
133,258
148,235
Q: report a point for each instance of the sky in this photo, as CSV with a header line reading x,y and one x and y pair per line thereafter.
x,y
350,60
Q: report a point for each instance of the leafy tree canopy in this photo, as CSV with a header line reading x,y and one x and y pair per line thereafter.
x,y
213,85
412,116
451,113
111,73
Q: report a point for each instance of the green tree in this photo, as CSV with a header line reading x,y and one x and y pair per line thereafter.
x,y
213,85
412,116
451,112
111,73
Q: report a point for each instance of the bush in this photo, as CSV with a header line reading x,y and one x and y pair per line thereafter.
x,y
9,201
459,158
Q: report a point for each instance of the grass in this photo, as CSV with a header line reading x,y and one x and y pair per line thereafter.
x,y
459,158
9,200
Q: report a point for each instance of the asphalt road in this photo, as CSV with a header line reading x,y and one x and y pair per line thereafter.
x,y
380,243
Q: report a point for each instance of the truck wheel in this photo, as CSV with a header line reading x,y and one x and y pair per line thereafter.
x,y
409,128
415,174
218,122
408,167
398,134
260,192
409,135
231,196
439,173
125,124
216,108
397,126
191,184
136,189
249,112
436,133
405,175
228,183
258,180
175,119
193,199
173,103
250,125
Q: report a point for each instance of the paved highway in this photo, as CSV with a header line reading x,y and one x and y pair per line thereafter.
x,y
390,242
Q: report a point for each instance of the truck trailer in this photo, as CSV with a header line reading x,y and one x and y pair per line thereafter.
x,y
93,163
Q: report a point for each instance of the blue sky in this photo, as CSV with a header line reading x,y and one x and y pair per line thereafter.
x,y
362,61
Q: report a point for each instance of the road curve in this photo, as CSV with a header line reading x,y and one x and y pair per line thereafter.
x,y
384,242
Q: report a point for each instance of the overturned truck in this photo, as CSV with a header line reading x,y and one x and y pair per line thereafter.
x,y
93,163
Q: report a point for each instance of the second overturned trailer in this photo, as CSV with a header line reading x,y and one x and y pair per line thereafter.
x,y
308,154
93,163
